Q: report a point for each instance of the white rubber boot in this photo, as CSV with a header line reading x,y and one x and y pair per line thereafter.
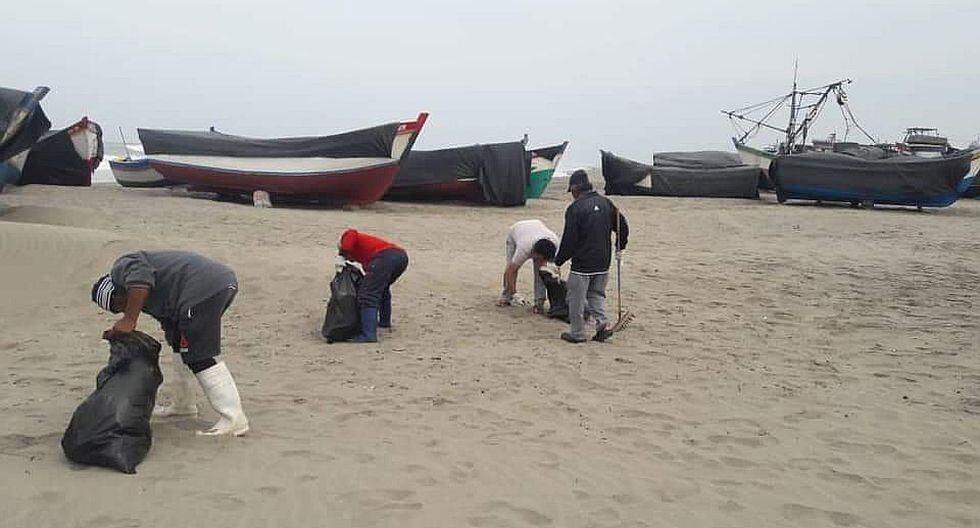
x,y
182,385
222,392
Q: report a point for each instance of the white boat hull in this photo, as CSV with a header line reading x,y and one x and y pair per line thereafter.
x,y
755,157
136,173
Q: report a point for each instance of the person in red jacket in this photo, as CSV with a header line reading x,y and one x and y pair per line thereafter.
x,y
383,263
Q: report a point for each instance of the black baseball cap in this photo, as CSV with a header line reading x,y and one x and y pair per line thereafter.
x,y
579,181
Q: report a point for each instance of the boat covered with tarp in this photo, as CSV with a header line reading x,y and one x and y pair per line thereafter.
x,y
135,171
22,123
544,162
353,168
708,174
65,157
495,174
973,190
868,176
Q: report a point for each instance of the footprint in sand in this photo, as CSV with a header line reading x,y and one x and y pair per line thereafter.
x,y
225,501
270,490
969,497
799,512
498,513
107,521
382,499
48,497
730,506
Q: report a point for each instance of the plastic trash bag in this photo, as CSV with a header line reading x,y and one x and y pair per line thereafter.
x,y
111,428
343,319
557,294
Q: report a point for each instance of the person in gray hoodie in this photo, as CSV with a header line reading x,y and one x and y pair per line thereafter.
x,y
188,294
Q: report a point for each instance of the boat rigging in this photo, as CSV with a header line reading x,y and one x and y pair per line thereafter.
x,y
808,103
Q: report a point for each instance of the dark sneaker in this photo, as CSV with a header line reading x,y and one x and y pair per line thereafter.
x,y
572,339
602,333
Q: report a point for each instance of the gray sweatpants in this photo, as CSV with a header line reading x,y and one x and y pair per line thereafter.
x,y
586,295
540,292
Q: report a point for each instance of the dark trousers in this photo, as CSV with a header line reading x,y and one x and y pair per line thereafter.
x,y
383,270
197,333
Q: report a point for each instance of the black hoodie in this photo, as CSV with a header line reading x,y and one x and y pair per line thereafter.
x,y
589,224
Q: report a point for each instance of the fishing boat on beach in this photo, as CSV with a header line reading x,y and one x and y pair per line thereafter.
x,y
30,153
890,179
352,168
493,174
704,174
134,170
844,171
66,157
22,123
924,142
544,162
973,190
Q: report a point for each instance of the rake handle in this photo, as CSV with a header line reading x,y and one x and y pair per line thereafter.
x,y
619,269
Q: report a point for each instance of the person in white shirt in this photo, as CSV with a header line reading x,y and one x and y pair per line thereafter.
x,y
528,240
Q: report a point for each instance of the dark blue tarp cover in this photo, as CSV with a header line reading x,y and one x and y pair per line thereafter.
x,y
502,170
22,121
893,179
372,142
54,161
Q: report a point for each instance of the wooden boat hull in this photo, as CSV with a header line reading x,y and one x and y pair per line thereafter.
x,y
67,157
467,190
543,168
339,181
354,187
137,173
755,157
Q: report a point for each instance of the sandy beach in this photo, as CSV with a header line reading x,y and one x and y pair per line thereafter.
x,y
790,365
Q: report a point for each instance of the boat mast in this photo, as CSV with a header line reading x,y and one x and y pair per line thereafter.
x,y
125,145
799,101
791,129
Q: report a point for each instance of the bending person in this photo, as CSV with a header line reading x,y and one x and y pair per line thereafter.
x,y
188,294
528,240
383,262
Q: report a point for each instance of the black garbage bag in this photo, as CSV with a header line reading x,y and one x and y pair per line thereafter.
x,y
557,296
111,428
343,319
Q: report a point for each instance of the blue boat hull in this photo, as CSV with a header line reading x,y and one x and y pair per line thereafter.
x,y
903,181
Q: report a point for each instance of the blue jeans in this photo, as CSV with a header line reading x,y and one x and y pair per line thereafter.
x,y
383,270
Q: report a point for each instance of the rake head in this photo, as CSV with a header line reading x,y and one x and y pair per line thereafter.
x,y
624,321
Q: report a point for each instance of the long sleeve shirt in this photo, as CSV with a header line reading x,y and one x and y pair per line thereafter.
x,y
589,224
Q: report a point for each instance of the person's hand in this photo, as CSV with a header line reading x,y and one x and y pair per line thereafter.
x,y
122,327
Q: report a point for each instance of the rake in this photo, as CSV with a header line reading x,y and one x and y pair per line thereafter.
x,y
625,317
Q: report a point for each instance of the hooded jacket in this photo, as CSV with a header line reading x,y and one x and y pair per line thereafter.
x,y
589,224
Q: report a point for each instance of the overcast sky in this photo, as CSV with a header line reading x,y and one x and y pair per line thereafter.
x,y
627,76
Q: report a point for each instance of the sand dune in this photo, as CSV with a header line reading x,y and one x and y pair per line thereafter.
x,y
789,366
